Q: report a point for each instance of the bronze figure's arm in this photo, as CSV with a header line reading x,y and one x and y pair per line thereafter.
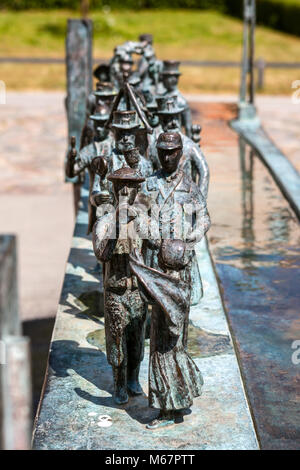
x,y
201,221
71,158
75,164
201,166
105,237
187,121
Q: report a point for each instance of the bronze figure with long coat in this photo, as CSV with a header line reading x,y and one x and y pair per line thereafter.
x,y
174,379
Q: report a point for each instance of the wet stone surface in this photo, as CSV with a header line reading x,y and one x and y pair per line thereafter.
x,y
255,244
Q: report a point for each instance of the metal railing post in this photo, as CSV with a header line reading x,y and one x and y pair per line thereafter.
x,y
15,376
261,66
79,65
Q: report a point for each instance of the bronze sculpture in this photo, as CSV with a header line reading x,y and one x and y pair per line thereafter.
x,y
169,204
99,101
174,379
194,162
170,76
77,164
125,126
149,67
146,237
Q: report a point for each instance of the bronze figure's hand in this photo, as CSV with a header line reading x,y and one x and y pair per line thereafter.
x,y
99,166
72,152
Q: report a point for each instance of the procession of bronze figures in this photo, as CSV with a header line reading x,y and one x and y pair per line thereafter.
x,y
148,184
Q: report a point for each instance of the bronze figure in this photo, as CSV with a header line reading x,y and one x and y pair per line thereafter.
x,y
193,162
125,310
174,379
125,126
170,75
76,164
99,101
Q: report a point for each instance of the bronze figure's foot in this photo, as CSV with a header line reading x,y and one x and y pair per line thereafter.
x,y
163,420
121,397
134,388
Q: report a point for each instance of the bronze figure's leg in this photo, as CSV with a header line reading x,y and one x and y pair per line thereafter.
x,y
120,382
133,384
135,345
116,345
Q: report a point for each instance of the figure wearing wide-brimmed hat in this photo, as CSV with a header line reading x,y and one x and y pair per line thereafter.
x,y
152,116
169,76
115,237
131,98
97,101
100,147
193,161
122,62
125,126
105,92
149,67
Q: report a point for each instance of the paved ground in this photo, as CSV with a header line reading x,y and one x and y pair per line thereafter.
x,y
279,115
35,203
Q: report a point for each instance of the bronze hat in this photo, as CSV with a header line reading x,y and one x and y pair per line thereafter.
x,y
101,72
101,114
126,174
171,67
134,79
146,37
105,89
168,105
126,57
125,120
169,141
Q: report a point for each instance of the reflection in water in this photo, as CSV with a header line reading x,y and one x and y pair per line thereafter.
x,y
268,224
246,165
279,224
247,232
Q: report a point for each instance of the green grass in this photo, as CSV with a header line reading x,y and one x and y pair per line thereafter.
x,y
288,2
178,34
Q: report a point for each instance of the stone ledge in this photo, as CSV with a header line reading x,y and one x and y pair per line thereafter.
x,y
282,170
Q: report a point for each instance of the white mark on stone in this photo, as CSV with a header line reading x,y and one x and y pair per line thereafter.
x,y
105,421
